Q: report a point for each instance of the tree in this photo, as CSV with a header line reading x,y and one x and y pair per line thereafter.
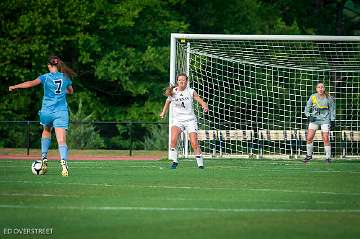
x,y
322,17
120,50
83,134
236,17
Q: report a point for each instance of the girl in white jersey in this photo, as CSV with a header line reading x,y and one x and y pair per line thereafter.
x,y
183,117
320,110
54,110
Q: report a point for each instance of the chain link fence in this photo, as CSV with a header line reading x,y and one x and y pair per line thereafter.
x,y
89,135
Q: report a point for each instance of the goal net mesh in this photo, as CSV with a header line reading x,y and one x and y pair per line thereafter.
x,y
257,90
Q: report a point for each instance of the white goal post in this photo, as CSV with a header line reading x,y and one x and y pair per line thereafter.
x,y
257,86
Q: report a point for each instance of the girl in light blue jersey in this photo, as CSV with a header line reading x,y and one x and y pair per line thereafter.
x,y
54,110
320,110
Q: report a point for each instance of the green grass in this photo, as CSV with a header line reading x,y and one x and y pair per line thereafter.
x,y
146,199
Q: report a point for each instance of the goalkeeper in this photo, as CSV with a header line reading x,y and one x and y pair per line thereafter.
x,y
320,111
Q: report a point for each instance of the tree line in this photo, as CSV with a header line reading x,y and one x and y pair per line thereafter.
x,y
120,48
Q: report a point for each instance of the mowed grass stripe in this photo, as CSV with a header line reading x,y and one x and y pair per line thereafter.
x,y
172,199
231,210
289,167
182,187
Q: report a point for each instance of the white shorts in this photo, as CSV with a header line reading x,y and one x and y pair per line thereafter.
x,y
324,127
190,126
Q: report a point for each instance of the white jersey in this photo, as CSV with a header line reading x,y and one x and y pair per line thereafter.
x,y
182,104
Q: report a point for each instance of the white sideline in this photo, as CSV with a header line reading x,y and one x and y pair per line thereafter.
x,y
181,199
184,187
220,167
34,195
182,209
259,201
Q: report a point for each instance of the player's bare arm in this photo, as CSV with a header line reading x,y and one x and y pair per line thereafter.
x,y
70,90
165,109
201,102
26,84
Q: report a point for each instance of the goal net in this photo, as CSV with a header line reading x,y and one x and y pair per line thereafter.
x,y
257,87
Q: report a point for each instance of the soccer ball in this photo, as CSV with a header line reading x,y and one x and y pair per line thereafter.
x,y
36,167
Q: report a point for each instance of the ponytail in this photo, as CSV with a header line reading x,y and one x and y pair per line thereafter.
x,y
62,67
169,91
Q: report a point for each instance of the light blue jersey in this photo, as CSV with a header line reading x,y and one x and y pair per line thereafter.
x,y
322,110
55,85
54,110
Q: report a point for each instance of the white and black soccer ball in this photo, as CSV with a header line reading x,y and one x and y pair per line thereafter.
x,y
36,167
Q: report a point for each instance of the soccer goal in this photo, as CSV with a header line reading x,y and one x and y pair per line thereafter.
x,y
257,86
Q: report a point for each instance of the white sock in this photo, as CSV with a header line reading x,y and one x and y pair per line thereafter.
x,y
199,160
327,151
173,155
309,149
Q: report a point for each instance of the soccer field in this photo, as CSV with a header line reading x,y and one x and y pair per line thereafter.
x,y
146,199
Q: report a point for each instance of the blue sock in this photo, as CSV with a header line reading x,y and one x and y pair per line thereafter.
x,y
63,150
45,145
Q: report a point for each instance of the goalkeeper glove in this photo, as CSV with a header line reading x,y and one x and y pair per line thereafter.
x,y
332,125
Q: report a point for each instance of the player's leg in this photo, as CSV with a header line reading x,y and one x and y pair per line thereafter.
x,y
63,150
325,129
45,145
45,141
197,151
309,141
192,129
46,120
61,124
175,132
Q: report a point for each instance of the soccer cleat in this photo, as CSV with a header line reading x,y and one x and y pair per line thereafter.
x,y
201,167
328,160
64,168
307,159
44,165
174,165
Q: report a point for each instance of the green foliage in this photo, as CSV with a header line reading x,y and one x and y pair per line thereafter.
x,y
120,49
158,138
236,17
83,135
340,17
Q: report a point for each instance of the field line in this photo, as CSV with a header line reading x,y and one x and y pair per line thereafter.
x,y
34,195
181,209
183,187
287,170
